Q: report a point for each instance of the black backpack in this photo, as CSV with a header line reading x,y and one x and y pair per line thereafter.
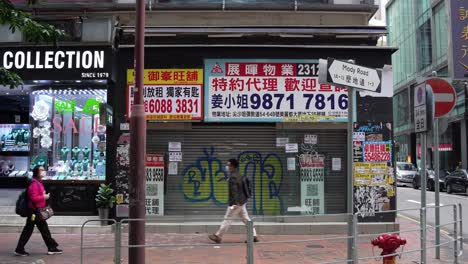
x,y
247,187
22,208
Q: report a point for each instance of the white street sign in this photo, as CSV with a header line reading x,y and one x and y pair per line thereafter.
x,y
420,115
352,75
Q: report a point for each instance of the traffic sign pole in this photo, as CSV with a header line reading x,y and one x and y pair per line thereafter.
x,y
423,194
437,186
444,101
350,178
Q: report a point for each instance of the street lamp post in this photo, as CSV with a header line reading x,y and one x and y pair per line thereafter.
x,y
136,255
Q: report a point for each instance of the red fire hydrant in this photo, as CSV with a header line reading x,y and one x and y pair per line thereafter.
x,y
389,243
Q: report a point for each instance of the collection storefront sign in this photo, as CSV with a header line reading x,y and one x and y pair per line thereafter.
x,y
42,63
154,201
310,139
312,183
241,90
170,94
291,148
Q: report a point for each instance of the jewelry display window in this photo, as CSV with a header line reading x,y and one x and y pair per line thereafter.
x,y
67,137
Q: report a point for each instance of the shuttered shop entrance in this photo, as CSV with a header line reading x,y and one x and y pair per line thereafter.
x,y
199,187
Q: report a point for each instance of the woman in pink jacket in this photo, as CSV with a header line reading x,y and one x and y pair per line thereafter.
x,y
36,199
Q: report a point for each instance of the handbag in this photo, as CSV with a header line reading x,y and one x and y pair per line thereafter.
x,y
44,213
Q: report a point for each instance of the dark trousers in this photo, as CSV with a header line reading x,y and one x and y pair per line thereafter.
x,y
28,230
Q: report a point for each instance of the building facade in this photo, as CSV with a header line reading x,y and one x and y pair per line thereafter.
x,y
227,79
422,32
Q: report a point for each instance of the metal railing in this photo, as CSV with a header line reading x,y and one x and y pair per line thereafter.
x,y
455,239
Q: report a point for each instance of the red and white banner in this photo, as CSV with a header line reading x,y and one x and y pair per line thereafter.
x,y
379,151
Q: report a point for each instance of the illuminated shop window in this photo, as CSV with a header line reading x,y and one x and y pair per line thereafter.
x,y
67,136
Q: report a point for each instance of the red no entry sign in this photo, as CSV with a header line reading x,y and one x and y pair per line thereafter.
x,y
444,96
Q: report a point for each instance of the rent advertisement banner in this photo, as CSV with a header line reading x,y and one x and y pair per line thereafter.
x,y
245,90
377,151
154,201
371,173
312,175
170,94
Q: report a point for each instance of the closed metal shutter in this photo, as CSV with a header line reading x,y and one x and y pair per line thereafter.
x,y
331,144
198,188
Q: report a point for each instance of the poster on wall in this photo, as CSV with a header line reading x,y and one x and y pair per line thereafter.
x,y
374,190
312,175
246,90
154,201
169,94
121,177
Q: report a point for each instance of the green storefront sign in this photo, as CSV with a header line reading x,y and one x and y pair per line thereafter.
x,y
64,106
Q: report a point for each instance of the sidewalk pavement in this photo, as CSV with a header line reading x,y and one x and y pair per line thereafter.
x,y
232,251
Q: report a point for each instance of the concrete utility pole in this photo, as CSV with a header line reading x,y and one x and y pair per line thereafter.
x,y
138,146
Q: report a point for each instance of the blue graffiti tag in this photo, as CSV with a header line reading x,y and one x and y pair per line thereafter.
x,y
205,180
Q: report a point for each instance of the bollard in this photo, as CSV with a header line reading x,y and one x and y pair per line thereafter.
x,y
250,243
118,241
389,243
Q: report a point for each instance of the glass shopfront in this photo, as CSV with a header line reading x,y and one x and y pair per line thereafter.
x,y
67,136
62,123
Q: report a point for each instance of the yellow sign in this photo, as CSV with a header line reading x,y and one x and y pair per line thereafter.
x,y
370,173
169,94
168,76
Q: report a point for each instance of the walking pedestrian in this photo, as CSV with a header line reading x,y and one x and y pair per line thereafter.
x,y
237,202
36,199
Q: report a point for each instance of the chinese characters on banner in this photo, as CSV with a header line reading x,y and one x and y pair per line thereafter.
x,y
374,189
154,201
377,151
170,94
312,183
459,15
270,91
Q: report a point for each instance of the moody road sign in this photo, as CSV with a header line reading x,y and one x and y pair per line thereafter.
x,y
352,75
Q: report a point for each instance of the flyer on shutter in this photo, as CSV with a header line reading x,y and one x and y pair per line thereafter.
x,y
262,90
154,187
169,94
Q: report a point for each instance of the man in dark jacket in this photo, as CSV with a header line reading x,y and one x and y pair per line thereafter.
x,y
237,202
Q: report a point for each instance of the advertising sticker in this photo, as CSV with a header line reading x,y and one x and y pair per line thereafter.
x,y
170,94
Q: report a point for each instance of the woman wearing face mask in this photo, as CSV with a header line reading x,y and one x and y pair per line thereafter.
x,y
36,199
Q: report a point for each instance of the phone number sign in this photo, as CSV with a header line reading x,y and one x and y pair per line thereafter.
x,y
379,151
270,91
170,94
